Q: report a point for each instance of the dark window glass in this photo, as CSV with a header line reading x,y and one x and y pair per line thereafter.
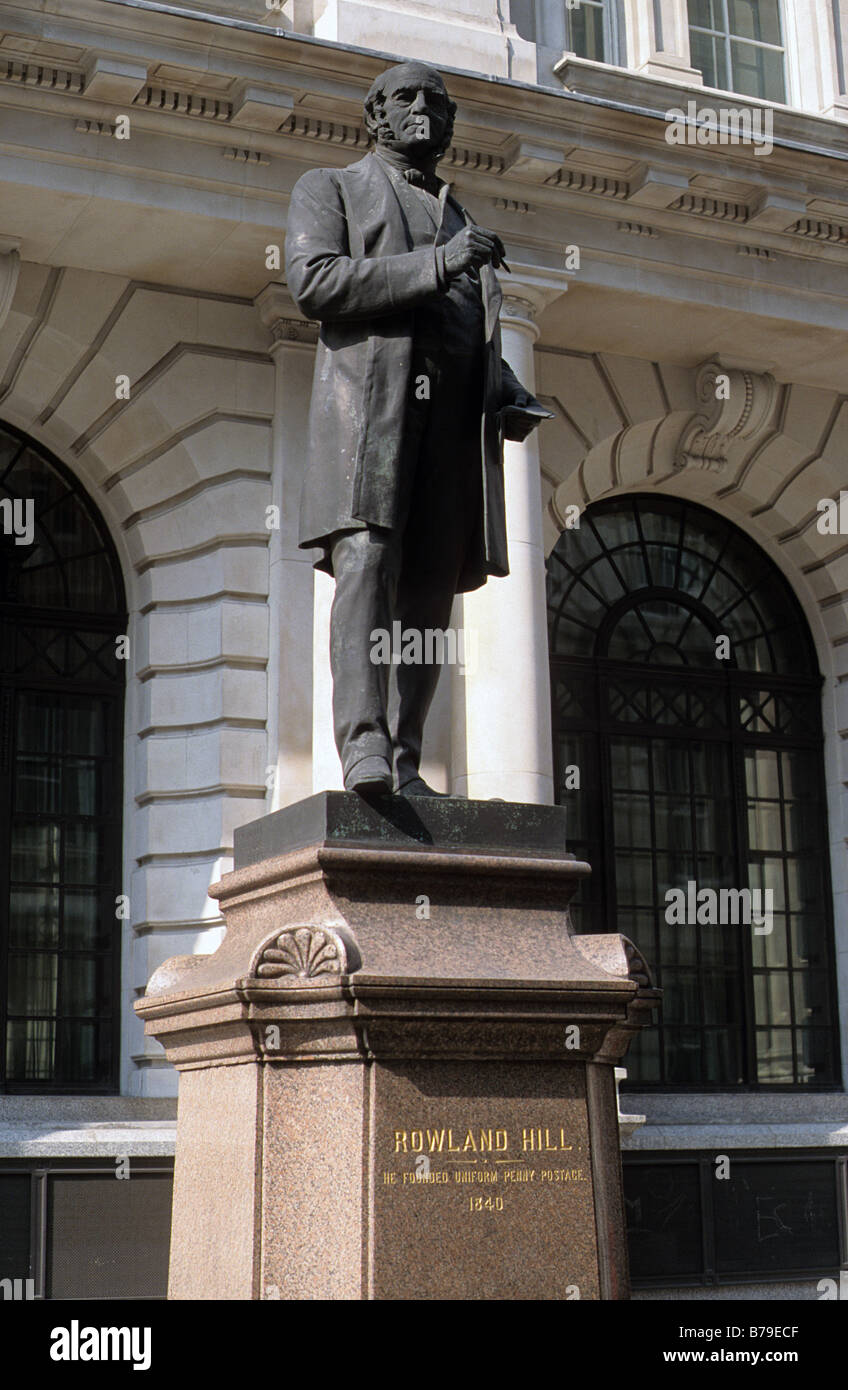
x,y
684,770
663,1211
755,19
737,45
586,31
61,695
15,1226
774,1217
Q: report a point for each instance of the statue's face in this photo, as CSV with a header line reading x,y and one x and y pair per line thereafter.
x,y
416,111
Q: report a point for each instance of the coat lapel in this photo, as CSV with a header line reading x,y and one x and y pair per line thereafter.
x,y
371,215
374,209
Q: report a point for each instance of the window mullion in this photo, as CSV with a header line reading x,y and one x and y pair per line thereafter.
x,y
699,960
728,55
787,909
39,1231
609,895
655,885
612,51
743,857
706,1177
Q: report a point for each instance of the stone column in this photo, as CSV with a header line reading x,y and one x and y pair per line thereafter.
x,y
289,762
502,708
326,764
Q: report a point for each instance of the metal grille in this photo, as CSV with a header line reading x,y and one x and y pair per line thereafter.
x,y
61,700
108,1237
766,1218
680,766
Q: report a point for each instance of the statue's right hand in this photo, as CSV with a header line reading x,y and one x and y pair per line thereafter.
x,y
471,248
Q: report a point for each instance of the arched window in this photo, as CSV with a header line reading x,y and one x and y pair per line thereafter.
x,y
688,738
61,700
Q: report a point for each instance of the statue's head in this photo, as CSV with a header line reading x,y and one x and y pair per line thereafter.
x,y
407,109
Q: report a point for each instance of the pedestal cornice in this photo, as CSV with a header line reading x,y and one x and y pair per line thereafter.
x,y
328,942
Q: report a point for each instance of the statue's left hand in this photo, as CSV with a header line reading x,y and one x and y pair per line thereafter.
x,y
516,424
520,414
519,411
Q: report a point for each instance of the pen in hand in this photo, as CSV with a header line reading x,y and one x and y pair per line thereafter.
x,y
499,261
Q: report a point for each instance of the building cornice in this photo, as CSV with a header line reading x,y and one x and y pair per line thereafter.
x,y
226,46
541,159
641,94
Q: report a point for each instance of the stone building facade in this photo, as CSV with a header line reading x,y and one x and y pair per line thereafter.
x,y
669,182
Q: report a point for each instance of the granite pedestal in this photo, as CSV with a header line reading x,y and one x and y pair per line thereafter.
x,y
397,1071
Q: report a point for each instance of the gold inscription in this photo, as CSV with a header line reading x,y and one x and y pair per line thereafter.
x,y
437,1141
497,1157
485,1203
531,1139
543,1140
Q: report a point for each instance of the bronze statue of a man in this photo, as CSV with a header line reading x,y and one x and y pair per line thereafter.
x,y
404,490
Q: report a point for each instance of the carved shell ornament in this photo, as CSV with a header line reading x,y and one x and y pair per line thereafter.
x,y
301,953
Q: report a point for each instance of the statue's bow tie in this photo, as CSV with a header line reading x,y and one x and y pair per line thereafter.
x,y
419,179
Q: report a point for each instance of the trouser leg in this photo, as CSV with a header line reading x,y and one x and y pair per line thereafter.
x,y
365,565
418,609
445,510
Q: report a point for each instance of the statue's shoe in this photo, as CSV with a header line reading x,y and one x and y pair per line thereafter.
x,y
371,776
416,786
